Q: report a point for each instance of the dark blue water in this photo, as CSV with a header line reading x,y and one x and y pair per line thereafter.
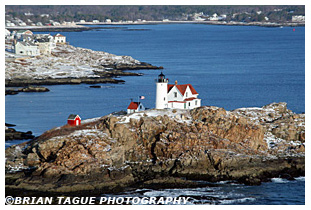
x,y
229,66
279,191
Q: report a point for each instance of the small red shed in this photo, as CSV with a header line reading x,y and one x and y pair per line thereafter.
x,y
74,120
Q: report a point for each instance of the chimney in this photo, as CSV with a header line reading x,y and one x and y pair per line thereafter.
x,y
175,82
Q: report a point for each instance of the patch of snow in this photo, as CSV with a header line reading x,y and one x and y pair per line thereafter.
x,y
90,120
88,132
179,115
272,140
16,168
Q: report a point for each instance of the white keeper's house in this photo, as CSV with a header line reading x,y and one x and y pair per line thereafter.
x,y
175,96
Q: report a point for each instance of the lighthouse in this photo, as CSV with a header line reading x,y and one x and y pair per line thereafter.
x,y
175,96
161,92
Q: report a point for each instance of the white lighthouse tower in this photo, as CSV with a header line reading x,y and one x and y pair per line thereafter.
x,y
161,92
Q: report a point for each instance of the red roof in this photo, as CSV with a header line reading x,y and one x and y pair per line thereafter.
x,y
184,101
133,105
190,99
58,35
182,88
176,102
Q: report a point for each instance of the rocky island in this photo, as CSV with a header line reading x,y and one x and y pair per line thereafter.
x,y
160,148
69,65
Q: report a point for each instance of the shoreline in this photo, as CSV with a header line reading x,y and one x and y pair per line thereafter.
x,y
70,65
287,168
86,26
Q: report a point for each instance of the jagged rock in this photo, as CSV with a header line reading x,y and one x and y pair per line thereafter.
x,y
12,134
113,152
34,89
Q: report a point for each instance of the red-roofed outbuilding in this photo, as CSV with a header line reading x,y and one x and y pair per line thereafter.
x,y
74,120
135,107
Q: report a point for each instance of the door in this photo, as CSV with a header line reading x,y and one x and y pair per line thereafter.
x,y
77,122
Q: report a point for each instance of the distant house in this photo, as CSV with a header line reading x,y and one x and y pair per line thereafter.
x,y
7,33
135,107
9,24
45,42
74,120
298,18
23,33
26,48
56,24
59,39
44,46
214,17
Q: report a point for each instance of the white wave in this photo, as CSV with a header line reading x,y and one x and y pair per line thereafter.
x,y
223,182
301,178
279,180
238,200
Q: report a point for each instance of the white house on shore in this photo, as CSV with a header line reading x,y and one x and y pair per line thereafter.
x,y
58,38
174,96
26,48
135,107
45,43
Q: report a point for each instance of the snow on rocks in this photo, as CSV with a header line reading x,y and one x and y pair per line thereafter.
x,y
266,113
90,120
179,115
284,129
65,61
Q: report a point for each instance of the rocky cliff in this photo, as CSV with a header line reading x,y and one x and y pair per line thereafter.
x,y
160,148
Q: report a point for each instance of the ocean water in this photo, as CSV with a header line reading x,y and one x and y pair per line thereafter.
x,y
229,66
279,191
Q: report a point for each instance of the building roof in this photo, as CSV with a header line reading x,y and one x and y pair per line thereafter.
x,y
190,99
184,101
176,101
22,31
181,88
58,35
133,105
27,43
73,116
43,39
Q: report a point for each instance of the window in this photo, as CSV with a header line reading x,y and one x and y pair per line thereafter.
x,y
164,98
175,94
186,94
196,102
189,104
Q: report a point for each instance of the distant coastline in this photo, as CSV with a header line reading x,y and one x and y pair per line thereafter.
x,y
86,25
